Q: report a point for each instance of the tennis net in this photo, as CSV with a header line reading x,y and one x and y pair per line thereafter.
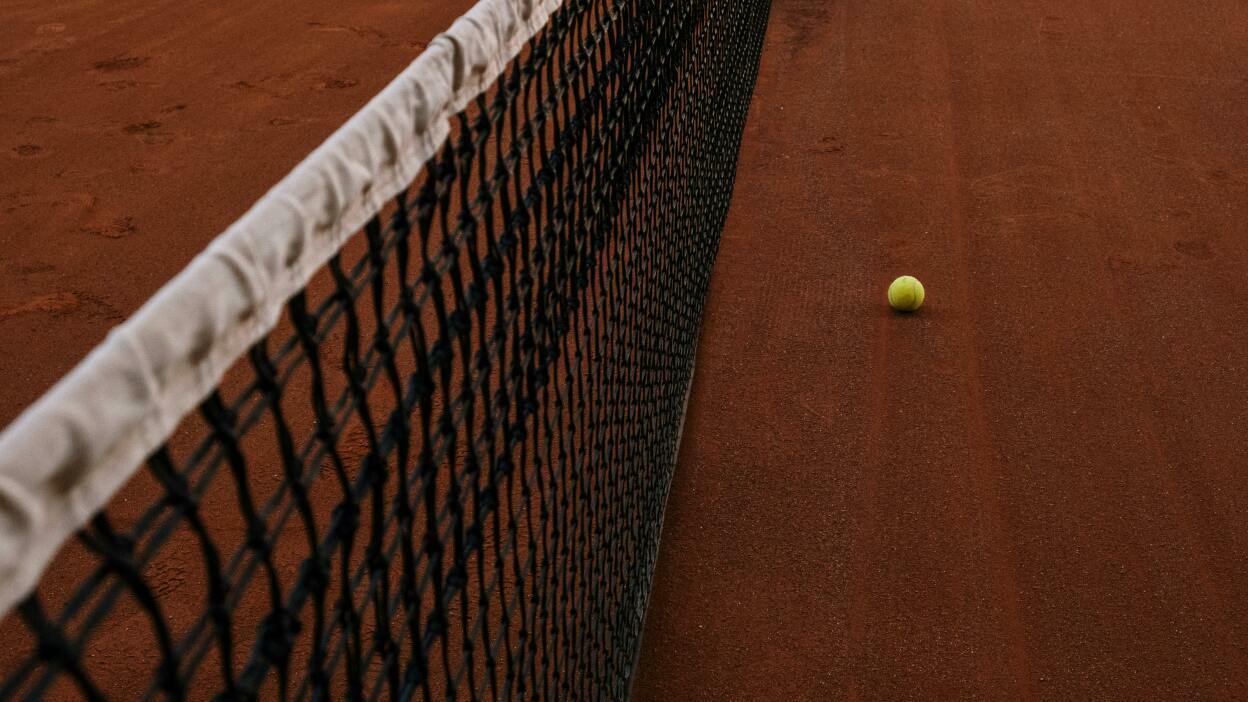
x,y
407,428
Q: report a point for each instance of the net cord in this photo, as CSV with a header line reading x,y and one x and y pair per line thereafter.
x,y
66,455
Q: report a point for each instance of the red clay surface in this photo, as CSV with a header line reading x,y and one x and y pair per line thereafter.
x,y
1034,488
1030,489
134,131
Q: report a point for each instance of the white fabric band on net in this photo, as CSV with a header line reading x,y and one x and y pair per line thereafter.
x,y
65,457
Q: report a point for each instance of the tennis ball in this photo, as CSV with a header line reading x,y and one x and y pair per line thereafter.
x,y
906,294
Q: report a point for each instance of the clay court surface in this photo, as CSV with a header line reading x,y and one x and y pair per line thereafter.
x,y
1031,489
135,131
1034,488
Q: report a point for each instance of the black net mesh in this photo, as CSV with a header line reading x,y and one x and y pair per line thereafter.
x,y
443,474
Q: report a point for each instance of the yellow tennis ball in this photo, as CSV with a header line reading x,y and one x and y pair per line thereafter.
x,y
906,294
